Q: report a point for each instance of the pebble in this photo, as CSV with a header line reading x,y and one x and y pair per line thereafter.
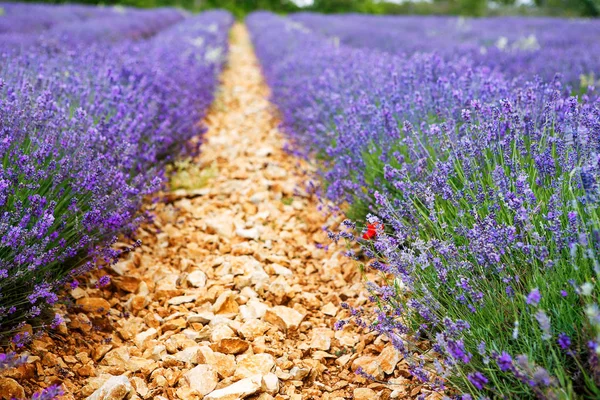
x,y
231,346
93,304
197,278
258,364
182,300
364,394
239,390
202,379
115,388
9,389
284,317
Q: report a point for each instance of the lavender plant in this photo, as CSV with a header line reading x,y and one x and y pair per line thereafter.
x,y
481,197
86,132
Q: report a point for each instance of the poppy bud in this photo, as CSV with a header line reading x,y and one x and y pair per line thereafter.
x,y
372,230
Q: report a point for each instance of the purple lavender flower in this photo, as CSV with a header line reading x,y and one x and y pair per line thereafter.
x,y
504,361
544,323
534,297
104,281
564,341
478,380
50,393
11,360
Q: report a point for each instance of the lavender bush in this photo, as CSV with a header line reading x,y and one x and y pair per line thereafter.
x,y
86,132
521,47
481,197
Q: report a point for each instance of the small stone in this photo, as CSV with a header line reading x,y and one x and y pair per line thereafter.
x,y
99,351
142,337
174,324
122,267
264,151
270,383
175,301
321,338
260,364
347,337
77,293
221,331
202,378
280,270
86,371
68,359
10,389
226,304
388,359
128,284
93,304
203,317
259,278
143,365
284,317
343,360
369,365
223,363
231,346
329,309
299,374
364,394
119,357
238,390
415,391
190,355
115,388
254,309
253,328
158,352
166,281
197,278
140,386
251,233
139,303
222,225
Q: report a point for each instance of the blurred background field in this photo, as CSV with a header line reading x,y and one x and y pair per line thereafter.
x,y
568,8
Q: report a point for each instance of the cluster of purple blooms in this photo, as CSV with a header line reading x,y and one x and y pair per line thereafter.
x,y
87,125
486,186
519,47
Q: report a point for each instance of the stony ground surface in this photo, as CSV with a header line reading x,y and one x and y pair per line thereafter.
x,y
234,292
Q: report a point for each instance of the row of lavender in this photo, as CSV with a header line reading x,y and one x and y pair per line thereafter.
x,y
88,124
67,27
18,18
519,47
480,196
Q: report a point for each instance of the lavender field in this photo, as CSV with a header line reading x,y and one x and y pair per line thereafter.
x,y
427,225
465,153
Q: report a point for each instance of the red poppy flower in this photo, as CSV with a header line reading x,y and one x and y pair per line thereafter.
x,y
372,230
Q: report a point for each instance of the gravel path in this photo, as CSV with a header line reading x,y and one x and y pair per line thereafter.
x,y
233,293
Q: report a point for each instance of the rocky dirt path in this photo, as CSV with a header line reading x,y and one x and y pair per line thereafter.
x,y
235,290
